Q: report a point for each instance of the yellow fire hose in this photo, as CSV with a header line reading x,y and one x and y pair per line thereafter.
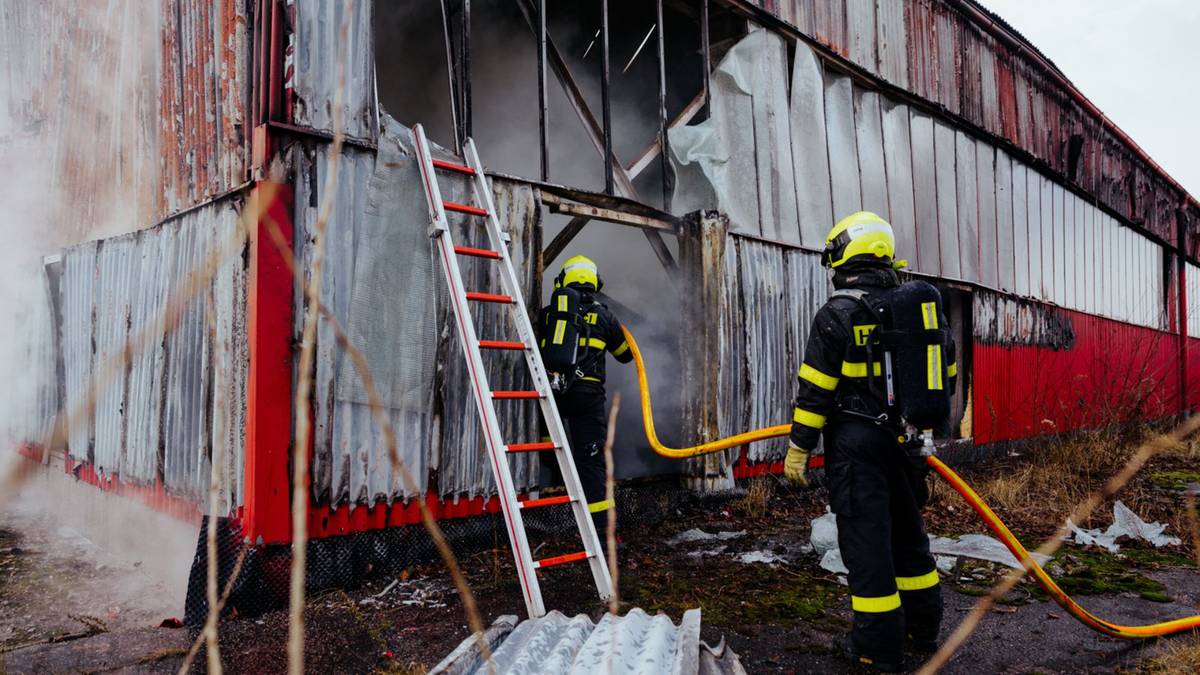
x,y
960,486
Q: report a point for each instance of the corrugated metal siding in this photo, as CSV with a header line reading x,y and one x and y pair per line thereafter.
x,y
202,99
160,416
774,292
318,48
1040,370
939,53
383,286
809,148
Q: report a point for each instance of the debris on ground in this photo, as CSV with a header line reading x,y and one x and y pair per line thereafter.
x,y
1125,523
695,534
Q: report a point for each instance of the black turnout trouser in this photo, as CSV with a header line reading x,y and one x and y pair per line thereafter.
x,y
581,408
877,493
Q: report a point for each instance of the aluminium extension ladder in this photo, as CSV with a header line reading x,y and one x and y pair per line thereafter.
x,y
485,398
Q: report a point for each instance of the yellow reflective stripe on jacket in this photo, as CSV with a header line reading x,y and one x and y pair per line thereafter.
x,y
853,369
622,349
594,343
589,378
952,370
808,419
810,374
886,603
597,507
929,316
927,580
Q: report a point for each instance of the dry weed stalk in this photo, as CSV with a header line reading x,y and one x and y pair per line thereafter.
x,y
216,466
1193,522
610,534
1079,514
307,355
220,605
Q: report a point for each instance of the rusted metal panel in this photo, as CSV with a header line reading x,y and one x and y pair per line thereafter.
x,y
892,42
985,172
180,397
1022,257
925,193
944,150
868,129
970,80
318,51
989,87
1024,108
967,200
860,33
949,61
1006,94
898,161
843,153
810,153
203,91
829,24
922,48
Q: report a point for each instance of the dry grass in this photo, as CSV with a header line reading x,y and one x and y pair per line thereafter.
x,y
1181,658
757,498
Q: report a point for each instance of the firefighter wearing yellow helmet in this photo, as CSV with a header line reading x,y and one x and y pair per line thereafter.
x,y
875,489
576,331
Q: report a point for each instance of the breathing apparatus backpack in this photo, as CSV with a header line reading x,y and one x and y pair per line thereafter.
x,y
566,329
912,345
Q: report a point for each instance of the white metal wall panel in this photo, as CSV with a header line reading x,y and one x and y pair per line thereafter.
x,y
1193,291
843,153
947,200
810,154
1057,194
1049,224
989,254
860,24
1033,205
967,200
1089,258
1005,235
928,258
871,166
1070,252
897,155
773,139
1020,210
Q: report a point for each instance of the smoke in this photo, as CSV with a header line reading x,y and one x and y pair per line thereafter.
x,y
413,88
79,125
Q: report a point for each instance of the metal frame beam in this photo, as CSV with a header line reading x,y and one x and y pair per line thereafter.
x,y
621,179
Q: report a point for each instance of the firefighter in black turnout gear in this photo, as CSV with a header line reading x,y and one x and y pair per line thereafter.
x,y
575,332
848,391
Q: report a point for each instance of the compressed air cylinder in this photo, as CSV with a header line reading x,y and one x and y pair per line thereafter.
x,y
918,345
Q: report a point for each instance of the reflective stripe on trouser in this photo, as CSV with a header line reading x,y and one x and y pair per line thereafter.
x,y
882,539
582,409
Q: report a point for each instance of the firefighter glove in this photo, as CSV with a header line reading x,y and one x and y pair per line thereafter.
x,y
796,465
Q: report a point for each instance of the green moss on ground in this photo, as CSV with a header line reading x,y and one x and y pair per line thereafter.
x,y
1101,573
1174,480
755,595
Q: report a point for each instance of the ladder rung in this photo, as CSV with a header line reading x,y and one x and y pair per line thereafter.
x,y
477,252
545,501
501,344
560,559
503,395
451,166
489,297
531,447
464,208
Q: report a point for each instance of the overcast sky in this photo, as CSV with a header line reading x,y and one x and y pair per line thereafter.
x,y
1139,62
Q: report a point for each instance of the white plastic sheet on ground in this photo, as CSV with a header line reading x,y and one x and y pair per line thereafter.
x,y
1126,523
695,534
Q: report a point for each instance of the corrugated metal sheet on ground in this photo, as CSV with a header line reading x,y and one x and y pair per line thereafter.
x,y
634,643
382,284
182,395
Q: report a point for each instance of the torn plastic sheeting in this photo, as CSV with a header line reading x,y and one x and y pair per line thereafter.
x,y
1125,523
824,533
766,557
979,547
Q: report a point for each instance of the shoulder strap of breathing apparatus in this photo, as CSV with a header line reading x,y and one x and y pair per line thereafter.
x,y
911,345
